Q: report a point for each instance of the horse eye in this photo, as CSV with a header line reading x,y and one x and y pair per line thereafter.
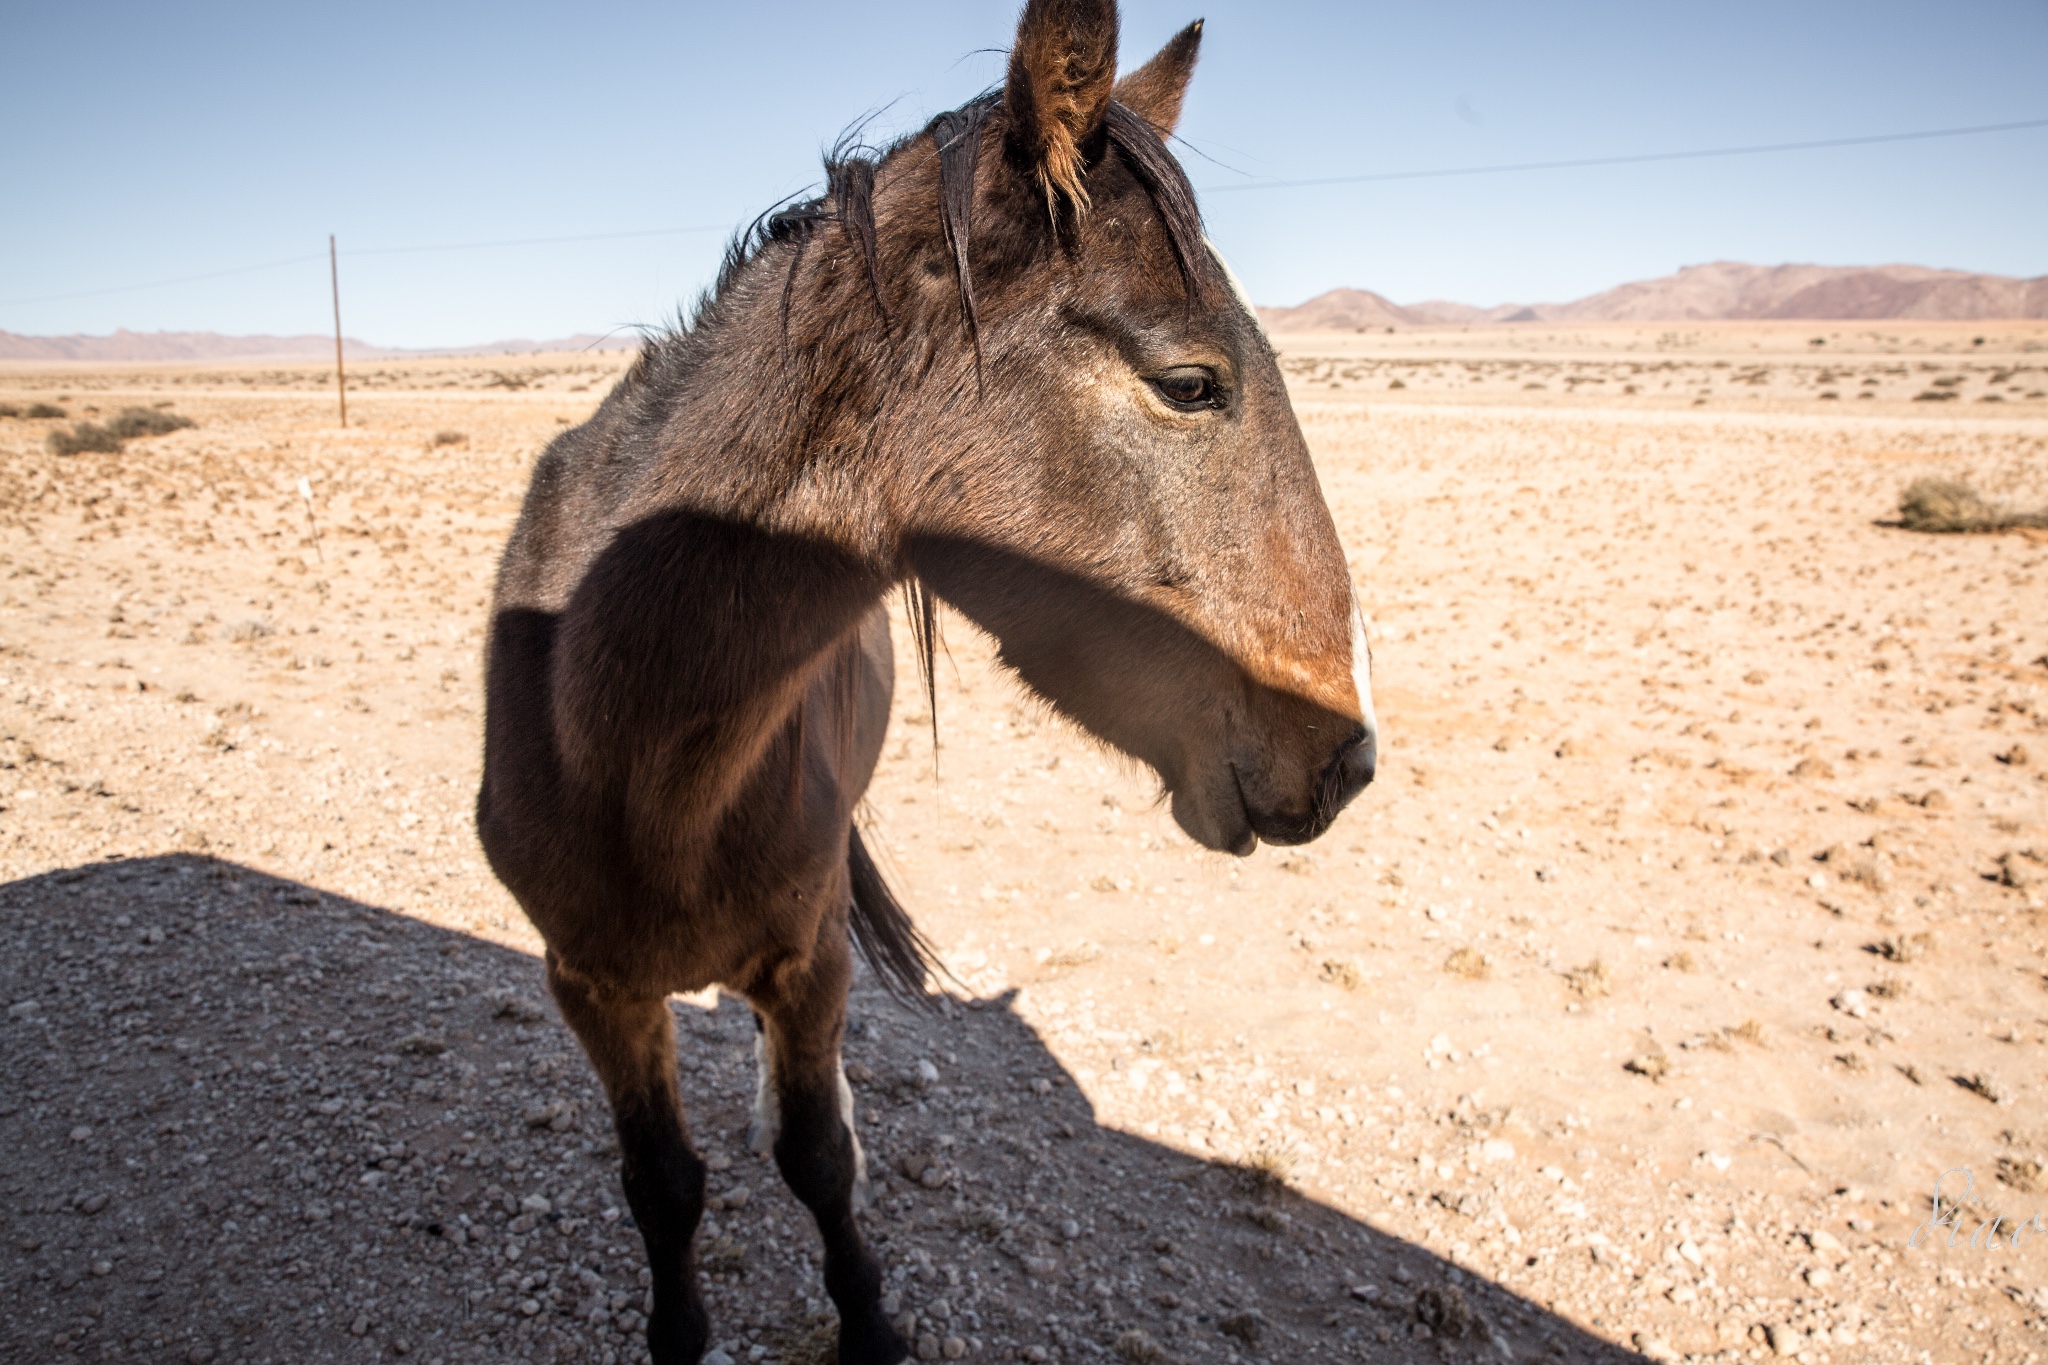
x,y
1189,388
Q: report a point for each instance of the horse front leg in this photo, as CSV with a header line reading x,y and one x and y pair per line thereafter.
x,y
816,1149
631,1042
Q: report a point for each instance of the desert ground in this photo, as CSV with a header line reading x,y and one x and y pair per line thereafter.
x,y
1691,932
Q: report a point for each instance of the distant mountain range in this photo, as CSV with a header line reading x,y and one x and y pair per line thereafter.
x,y
125,345
1723,291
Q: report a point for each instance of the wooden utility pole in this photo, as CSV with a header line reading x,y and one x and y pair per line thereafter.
x,y
334,277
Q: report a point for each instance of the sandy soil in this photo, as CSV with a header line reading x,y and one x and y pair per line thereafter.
x,y
1691,932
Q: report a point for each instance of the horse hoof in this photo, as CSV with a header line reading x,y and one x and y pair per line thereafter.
x,y
874,1342
678,1338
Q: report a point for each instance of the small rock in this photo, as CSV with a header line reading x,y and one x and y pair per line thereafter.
x,y
80,1133
529,1307
199,1355
926,1072
1822,1240
1820,1277
1853,1003
1652,1064
929,1347
1497,1149
717,1358
953,1348
102,1269
537,1204
1243,1325
92,1203
361,1326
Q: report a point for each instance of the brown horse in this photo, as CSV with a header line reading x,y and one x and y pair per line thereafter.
x,y
998,363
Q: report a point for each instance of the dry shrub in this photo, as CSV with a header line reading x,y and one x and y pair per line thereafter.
x,y
83,439
450,438
130,423
9,410
1468,963
123,426
45,412
1749,1031
1681,962
1950,507
2021,1173
1590,981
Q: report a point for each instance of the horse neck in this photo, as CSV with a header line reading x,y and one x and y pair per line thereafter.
x,y
745,562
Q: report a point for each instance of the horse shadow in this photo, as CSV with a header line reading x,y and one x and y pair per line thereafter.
x,y
248,1119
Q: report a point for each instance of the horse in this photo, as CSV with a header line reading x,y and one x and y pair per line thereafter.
x,y
996,365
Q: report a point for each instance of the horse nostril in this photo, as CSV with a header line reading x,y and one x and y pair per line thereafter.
x,y
1352,768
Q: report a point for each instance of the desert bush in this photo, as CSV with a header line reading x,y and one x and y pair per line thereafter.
x,y
9,410
130,423
44,411
123,426
450,438
1950,506
83,438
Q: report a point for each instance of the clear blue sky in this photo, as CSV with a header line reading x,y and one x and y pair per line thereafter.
x,y
142,142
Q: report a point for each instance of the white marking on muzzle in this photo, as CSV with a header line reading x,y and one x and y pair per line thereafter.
x,y
1237,289
1361,673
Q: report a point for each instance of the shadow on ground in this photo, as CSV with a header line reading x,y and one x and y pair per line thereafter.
x,y
247,1120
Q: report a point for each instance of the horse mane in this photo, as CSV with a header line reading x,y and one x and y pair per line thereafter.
x,y
848,203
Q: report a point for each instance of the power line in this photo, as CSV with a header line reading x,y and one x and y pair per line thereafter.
x,y
1627,160
161,284
540,241
373,251
1376,177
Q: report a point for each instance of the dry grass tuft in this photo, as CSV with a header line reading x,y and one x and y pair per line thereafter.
x,y
1343,971
1590,981
1952,507
450,438
1750,1031
1902,948
1136,1347
1267,1167
1468,963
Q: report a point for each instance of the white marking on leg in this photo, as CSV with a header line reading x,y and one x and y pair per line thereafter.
x,y
767,1108
860,1157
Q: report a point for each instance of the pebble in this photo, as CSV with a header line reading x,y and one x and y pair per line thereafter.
x,y
717,1358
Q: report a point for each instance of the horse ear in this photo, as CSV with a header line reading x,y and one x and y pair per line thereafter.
x,y
1154,91
1061,74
